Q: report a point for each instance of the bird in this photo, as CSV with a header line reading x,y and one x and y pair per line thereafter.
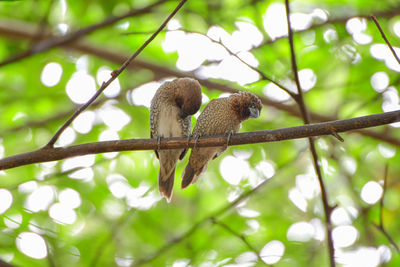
x,y
220,116
171,111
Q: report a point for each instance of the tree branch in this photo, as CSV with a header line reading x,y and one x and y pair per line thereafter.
x,y
326,128
114,75
11,30
380,226
241,237
385,38
304,114
116,228
48,44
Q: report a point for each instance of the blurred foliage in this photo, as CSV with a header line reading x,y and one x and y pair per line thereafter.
x,y
112,229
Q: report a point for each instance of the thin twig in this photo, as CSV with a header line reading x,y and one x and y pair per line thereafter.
x,y
241,237
42,24
303,110
48,44
169,245
381,226
383,195
261,73
5,264
230,52
386,13
387,235
50,258
114,75
325,128
337,136
384,38
115,230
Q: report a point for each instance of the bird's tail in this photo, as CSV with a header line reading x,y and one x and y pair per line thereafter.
x,y
187,176
166,183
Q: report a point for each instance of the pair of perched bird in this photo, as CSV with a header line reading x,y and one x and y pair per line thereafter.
x,y
171,113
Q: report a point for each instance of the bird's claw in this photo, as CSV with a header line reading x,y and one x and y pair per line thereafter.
x,y
228,138
187,140
196,138
158,142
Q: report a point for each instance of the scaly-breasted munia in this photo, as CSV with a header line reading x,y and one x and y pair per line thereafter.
x,y
171,112
220,116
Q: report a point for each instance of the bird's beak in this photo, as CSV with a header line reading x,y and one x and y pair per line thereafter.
x,y
254,112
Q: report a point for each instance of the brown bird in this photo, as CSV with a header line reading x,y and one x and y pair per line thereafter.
x,y
220,116
171,112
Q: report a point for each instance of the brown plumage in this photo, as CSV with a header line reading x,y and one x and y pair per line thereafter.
x,y
220,116
171,113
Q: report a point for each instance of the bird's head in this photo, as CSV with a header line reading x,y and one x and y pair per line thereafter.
x,y
188,96
246,105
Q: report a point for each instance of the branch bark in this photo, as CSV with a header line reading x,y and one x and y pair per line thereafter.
x,y
46,154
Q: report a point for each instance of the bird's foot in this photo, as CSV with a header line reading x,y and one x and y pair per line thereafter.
x,y
158,142
196,138
228,138
187,140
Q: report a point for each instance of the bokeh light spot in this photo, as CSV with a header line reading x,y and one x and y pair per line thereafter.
x,y
233,170
6,200
13,221
113,117
386,151
275,23
298,199
272,252
51,74
275,93
344,236
40,199
62,213
70,198
266,168
355,25
371,192
84,122
32,245
300,231
379,81
81,87
67,137
143,94
307,78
